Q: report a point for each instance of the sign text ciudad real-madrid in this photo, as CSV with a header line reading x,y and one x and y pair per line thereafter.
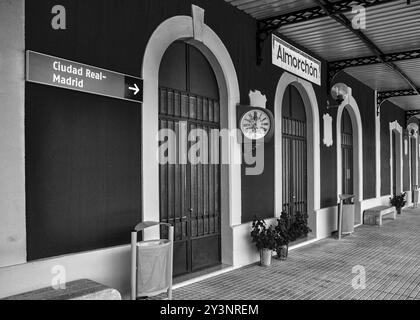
x,y
295,61
58,72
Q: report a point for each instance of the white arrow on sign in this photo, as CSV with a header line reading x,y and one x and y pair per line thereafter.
x,y
135,89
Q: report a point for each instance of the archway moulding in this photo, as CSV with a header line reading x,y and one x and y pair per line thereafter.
x,y
398,129
194,31
352,107
308,95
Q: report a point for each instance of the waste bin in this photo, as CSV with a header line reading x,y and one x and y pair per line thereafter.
x,y
345,215
151,263
416,196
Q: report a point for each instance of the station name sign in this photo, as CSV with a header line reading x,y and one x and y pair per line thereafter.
x,y
295,61
57,72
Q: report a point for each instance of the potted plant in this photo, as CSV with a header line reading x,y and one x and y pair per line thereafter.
x,y
265,240
282,236
398,201
290,228
299,226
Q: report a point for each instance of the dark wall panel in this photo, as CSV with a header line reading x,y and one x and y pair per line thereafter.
x,y
113,34
83,178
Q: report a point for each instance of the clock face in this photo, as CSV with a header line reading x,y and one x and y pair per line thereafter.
x,y
255,124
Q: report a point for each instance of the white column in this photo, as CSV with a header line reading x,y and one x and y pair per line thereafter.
x,y
12,130
417,158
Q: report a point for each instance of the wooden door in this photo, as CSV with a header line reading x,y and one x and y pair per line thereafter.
x,y
190,190
413,164
346,153
294,152
394,163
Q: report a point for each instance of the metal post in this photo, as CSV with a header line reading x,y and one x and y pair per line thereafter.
x,y
171,239
133,265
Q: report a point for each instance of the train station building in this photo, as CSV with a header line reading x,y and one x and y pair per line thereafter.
x,y
88,87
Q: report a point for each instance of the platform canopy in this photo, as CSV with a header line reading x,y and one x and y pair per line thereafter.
x,y
385,55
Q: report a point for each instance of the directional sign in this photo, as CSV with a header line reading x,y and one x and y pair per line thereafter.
x,y
57,72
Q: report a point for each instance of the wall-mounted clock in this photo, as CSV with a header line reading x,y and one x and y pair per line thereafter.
x,y
256,124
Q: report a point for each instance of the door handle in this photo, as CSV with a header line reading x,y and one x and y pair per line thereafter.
x,y
191,210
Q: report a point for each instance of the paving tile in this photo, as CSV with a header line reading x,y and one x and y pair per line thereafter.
x,y
324,270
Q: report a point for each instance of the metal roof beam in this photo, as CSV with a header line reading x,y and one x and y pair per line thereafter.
x,y
274,23
266,26
364,61
342,19
411,113
384,95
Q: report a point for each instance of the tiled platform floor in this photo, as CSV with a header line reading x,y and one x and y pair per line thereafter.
x,y
323,270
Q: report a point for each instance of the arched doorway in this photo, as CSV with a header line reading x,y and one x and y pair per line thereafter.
x,y
413,129
190,190
396,157
394,164
193,30
294,152
347,153
350,153
413,161
305,94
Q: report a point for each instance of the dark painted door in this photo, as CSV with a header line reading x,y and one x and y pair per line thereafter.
x,y
394,164
190,187
413,163
346,153
294,152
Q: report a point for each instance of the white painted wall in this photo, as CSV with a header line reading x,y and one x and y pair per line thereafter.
x,y
326,222
12,153
110,267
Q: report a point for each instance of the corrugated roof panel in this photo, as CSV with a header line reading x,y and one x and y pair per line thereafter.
x,y
326,38
408,102
378,77
412,69
393,26
260,9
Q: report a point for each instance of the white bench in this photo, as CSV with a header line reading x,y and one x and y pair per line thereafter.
x,y
83,289
373,216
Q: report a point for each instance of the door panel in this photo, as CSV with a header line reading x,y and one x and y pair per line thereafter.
x,y
205,252
413,163
190,192
294,153
346,154
394,164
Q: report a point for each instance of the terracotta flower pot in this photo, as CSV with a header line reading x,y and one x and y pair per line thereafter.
x,y
265,257
282,252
